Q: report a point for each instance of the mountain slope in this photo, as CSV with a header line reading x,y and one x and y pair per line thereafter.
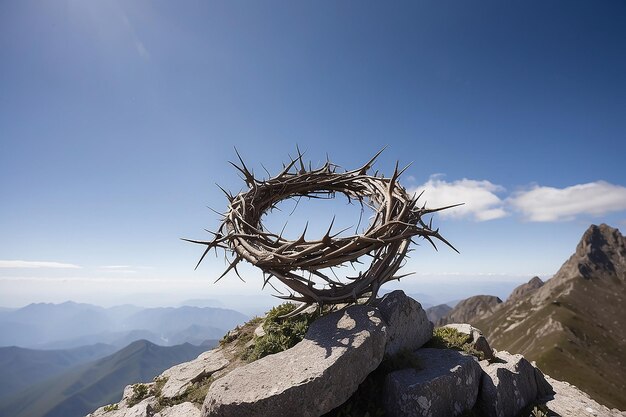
x,y
92,385
574,325
525,289
471,309
21,367
435,313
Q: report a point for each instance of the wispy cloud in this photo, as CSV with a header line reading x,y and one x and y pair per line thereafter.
x,y
141,49
37,264
119,269
480,197
548,204
115,267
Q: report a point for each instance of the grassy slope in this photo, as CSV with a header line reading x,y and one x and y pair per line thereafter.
x,y
92,385
577,336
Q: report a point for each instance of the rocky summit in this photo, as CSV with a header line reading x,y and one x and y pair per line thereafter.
x,y
382,360
525,289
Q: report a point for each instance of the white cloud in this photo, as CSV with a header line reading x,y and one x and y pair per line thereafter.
x,y
546,204
481,201
36,264
118,269
115,267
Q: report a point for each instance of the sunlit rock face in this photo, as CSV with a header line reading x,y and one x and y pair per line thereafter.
x,y
342,349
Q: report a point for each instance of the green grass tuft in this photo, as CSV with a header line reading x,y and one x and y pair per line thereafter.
x,y
140,392
110,407
159,383
194,393
280,333
449,338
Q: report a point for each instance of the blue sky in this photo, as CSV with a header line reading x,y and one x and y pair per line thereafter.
x,y
117,119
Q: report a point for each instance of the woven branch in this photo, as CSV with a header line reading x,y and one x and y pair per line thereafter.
x,y
397,220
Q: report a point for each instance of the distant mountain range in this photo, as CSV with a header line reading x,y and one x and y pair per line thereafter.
x,y
83,388
574,324
68,325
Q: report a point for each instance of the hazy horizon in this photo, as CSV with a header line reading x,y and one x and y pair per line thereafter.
x,y
429,291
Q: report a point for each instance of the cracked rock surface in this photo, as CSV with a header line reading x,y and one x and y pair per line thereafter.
x,y
446,385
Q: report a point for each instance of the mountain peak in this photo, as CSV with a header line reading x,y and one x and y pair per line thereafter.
x,y
600,235
601,250
470,309
524,289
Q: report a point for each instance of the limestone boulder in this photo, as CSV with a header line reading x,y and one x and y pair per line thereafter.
x,y
310,379
179,377
180,410
408,327
477,339
508,384
446,385
567,400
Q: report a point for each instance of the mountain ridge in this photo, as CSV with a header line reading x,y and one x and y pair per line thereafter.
x,y
573,325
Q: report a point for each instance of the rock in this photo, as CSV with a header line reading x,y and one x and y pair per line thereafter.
x,y
180,410
477,339
181,376
544,388
446,386
142,409
408,327
508,385
259,331
568,400
310,379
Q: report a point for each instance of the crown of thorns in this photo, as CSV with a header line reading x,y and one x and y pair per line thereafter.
x,y
299,264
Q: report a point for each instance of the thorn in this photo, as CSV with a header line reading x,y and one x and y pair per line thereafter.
x,y
296,206
232,265
216,212
405,168
300,155
327,234
301,238
229,196
266,171
286,168
208,248
363,170
426,211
